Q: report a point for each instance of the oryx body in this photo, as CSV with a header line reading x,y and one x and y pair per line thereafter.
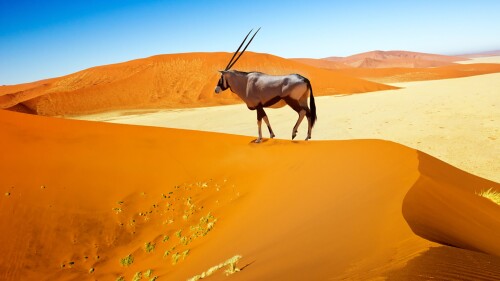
x,y
259,90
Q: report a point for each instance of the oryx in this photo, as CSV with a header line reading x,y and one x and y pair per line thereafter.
x,y
259,90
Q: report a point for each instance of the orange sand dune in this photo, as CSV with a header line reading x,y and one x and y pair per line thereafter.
x,y
78,197
323,63
384,59
164,81
394,75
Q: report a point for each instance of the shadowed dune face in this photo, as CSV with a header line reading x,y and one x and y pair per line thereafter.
x,y
78,197
443,206
164,81
448,264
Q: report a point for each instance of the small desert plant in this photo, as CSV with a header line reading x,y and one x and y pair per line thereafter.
x,y
230,263
165,238
178,234
153,278
175,258
120,278
185,254
91,270
148,273
137,276
490,194
149,247
167,252
184,240
126,261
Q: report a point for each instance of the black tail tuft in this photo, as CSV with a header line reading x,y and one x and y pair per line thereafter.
x,y
312,104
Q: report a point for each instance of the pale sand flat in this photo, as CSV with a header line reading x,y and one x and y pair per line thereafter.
x,y
455,120
492,59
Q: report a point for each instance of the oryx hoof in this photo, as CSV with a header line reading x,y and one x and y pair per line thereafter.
x,y
259,140
272,136
294,134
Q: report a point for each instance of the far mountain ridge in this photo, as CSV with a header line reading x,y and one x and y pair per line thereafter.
x,y
384,59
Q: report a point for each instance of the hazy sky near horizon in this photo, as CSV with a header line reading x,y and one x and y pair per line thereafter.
x,y
43,39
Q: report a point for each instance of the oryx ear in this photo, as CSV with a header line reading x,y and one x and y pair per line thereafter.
x,y
222,71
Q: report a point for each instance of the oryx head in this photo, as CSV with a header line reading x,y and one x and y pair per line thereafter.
x,y
223,84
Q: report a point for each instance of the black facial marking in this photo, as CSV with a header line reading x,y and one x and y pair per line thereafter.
x,y
221,83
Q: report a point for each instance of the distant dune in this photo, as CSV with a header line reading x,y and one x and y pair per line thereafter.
x,y
87,200
384,59
396,75
163,81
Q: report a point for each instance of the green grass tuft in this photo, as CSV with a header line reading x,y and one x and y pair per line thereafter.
x,y
149,247
137,276
490,194
126,261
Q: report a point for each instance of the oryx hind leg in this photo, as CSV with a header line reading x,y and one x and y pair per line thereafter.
x,y
300,109
261,114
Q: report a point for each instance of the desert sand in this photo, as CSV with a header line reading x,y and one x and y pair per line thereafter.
x,y
163,81
79,197
455,120
490,59
372,197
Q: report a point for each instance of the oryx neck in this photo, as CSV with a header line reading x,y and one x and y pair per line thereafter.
x,y
237,81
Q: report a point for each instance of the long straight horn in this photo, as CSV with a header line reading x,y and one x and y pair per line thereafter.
x,y
231,65
234,55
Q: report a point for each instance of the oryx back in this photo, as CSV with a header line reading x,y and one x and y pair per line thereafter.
x,y
269,90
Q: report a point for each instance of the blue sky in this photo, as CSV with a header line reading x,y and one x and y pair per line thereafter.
x,y
43,39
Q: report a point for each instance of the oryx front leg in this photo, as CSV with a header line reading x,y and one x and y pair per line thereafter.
x,y
271,133
302,113
260,115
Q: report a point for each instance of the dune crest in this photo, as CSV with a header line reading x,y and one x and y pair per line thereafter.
x,y
105,200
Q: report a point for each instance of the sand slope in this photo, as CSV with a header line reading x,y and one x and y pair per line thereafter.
x,y
163,81
79,196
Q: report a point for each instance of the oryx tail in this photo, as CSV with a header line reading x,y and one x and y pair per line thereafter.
x,y
312,104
